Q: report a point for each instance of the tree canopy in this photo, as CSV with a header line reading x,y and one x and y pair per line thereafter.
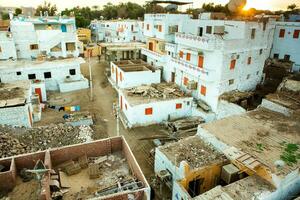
x,y
47,6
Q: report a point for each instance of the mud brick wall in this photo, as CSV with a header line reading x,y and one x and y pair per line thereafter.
x,y
93,149
8,178
45,193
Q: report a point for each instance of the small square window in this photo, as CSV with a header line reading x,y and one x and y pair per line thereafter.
x,y
178,105
72,72
47,75
257,72
19,73
31,76
209,29
287,57
148,111
260,51
231,81
34,46
276,56
248,76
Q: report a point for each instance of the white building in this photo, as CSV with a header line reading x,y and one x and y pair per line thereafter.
x,y
50,36
62,75
118,30
16,107
286,43
255,148
131,73
160,31
145,105
7,46
208,57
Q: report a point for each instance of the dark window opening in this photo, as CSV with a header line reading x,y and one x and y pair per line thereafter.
x,y
31,76
209,29
276,56
200,31
194,187
47,75
72,72
253,33
19,73
287,57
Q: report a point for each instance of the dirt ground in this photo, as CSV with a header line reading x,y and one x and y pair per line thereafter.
x,y
101,107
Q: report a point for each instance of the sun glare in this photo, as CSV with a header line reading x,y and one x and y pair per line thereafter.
x,y
258,4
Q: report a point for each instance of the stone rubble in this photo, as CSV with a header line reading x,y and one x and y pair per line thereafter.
x,y
14,141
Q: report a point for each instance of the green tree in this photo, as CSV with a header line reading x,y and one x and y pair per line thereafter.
x,y
47,6
18,11
292,7
153,8
4,16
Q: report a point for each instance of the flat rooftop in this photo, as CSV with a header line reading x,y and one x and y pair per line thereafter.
x,y
152,93
269,136
247,188
288,93
192,150
134,65
13,94
24,63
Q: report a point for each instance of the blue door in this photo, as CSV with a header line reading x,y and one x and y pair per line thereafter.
x,y
63,28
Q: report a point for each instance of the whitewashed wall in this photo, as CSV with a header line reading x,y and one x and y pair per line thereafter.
x,y
162,111
16,116
134,78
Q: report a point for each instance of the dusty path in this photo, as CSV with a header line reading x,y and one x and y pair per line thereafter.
x,y
102,109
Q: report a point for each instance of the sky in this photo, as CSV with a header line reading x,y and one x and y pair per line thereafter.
x,y
62,4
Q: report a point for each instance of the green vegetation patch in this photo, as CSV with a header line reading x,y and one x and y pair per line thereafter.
x,y
290,154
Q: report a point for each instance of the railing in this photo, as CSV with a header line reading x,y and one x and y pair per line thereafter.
x,y
196,41
153,53
184,65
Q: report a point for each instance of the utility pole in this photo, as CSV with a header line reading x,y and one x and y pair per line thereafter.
x,y
116,109
118,119
91,79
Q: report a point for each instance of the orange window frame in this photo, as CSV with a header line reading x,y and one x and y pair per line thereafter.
x,y
181,54
281,33
232,64
203,90
200,61
185,81
296,34
148,111
188,56
178,105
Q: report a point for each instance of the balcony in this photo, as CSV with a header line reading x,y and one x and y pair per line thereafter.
x,y
198,42
153,55
171,47
205,74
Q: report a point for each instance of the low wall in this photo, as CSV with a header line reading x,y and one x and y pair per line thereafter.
x,y
57,156
74,85
15,116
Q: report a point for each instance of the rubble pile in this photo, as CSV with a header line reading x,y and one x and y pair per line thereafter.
x,y
14,141
10,146
161,90
193,151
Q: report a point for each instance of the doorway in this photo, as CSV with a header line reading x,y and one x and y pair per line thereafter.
x,y
194,187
